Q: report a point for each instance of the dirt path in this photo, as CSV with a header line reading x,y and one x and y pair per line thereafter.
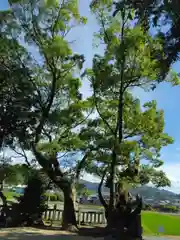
x,y
37,234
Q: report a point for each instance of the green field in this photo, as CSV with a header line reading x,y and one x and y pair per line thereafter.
x,y
152,220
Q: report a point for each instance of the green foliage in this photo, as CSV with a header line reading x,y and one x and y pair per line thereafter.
x,y
172,209
148,173
53,73
82,190
125,134
163,16
143,139
43,106
50,75
51,80
16,97
14,174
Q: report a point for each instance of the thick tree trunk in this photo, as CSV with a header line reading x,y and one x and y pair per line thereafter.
x,y
69,217
57,176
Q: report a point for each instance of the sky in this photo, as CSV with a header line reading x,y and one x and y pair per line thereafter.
x,y
167,97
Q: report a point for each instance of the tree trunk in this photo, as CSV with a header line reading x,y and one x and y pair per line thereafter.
x,y
69,217
74,194
135,228
1,185
111,207
57,176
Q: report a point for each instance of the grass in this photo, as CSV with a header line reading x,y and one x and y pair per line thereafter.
x,y
10,195
151,221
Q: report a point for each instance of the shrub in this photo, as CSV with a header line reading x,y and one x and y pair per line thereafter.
x,y
53,197
169,208
147,207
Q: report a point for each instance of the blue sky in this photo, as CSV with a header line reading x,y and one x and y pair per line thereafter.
x,y
4,5
167,97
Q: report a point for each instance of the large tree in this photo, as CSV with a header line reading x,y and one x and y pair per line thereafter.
x,y
128,62
41,27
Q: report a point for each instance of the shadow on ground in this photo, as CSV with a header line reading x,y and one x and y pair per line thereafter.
x,y
33,234
56,234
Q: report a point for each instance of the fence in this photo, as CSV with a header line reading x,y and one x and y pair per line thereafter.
x,y
90,217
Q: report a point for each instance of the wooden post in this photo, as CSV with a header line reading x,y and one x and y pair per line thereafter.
x,y
103,217
79,215
54,212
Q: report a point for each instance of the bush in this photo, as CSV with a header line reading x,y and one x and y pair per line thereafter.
x,y
53,197
165,208
147,207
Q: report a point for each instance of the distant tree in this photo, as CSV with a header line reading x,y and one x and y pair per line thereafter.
x,y
82,190
6,172
14,174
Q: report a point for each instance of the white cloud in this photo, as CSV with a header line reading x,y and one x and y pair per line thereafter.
x,y
173,173
90,178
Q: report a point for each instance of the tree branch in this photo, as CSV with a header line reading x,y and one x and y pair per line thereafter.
x,y
76,125
103,202
80,166
22,155
97,108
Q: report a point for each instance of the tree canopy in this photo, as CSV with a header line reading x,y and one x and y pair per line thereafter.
x,y
43,110
124,132
41,28
158,17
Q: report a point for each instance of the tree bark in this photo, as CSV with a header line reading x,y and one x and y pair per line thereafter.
x,y
74,194
69,217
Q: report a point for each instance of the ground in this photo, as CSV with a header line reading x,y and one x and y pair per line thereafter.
x,y
36,234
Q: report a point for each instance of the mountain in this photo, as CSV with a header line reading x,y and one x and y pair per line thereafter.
x,y
92,186
144,191
154,193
